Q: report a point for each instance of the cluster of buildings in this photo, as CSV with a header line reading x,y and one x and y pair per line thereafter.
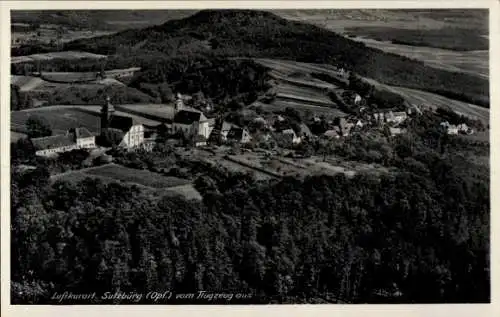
x,y
130,133
456,129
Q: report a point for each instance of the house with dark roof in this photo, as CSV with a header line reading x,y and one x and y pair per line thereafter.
x,y
76,138
240,135
305,131
192,123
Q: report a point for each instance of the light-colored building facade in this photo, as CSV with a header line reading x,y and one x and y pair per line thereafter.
x,y
74,139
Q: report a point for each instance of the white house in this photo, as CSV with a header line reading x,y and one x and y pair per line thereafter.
x,y
76,138
449,128
289,132
357,99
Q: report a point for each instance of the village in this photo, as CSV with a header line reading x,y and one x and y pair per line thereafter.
x,y
268,145
294,129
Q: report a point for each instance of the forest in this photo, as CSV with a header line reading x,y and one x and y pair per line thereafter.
x,y
419,234
247,33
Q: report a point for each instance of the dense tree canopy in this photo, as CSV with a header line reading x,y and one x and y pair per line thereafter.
x,y
418,235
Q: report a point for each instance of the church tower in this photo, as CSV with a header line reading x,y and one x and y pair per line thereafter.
x,y
107,112
179,104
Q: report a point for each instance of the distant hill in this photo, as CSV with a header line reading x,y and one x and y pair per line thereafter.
x,y
113,20
252,33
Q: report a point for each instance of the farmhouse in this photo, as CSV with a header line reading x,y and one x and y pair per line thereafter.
x,y
289,133
449,128
396,117
331,134
396,131
389,117
78,138
465,129
240,135
344,127
305,131
357,99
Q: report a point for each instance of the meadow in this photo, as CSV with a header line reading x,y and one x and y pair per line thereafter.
x,y
60,119
472,62
67,55
141,177
456,39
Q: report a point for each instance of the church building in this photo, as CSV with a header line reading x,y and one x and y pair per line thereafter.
x,y
130,128
191,122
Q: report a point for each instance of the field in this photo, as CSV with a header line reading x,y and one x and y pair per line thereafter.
x,y
155,184
68,55
456,39
297,89
60,119
63,117
370,25
158,111
288,69
14,136
472,62
26,83
188,191
141,177
110,20
281,105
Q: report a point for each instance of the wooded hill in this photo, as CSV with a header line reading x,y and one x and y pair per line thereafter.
x,y
250,33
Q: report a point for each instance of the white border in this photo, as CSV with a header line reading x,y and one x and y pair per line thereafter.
x,y
243,311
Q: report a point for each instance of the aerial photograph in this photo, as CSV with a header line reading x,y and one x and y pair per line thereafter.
x,y
249,157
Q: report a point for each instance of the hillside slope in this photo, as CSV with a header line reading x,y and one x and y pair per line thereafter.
x,y
264,34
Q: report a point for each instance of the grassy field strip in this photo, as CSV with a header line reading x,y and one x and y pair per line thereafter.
x,y
471,62
252,166
280,105
26,83
69,55
292,66
305,92
58,117
80,171
306,100
142,177
89,115
309,83
153,112
236,167
295,164
188,191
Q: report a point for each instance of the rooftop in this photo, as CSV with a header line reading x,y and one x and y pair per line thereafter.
x,y
188,117
122,123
